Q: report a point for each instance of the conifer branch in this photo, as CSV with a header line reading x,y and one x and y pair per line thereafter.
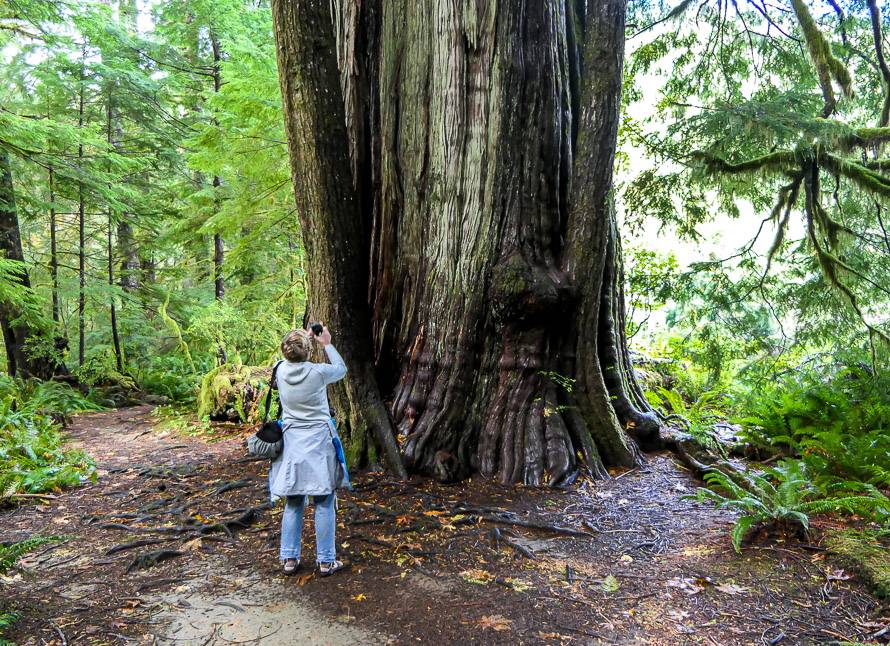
x,y
828,67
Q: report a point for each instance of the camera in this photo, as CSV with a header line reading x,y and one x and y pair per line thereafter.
x,y
317,328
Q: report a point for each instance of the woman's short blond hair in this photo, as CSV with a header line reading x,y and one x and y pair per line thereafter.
x,y
296,346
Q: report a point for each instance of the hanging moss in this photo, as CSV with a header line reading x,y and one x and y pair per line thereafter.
x,y
828,67
779,161
177,331
233,393
866,552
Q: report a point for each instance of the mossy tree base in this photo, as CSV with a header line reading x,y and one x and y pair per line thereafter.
x,y
866,551
231,393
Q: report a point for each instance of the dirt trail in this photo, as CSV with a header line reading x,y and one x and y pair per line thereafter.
x,y
628,561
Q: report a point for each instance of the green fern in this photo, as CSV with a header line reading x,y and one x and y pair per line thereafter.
x,y
11,553
786,495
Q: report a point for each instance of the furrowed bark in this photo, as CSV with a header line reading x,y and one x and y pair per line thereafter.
x,y
17,332
219,284
53,247
115,336
81,228
481,138
327,202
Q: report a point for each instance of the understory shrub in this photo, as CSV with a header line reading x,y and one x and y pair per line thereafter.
x,y
9,554
784,497
699,416
33,458
834,417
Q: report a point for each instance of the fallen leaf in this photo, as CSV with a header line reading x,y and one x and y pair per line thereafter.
x,y
678,615
838,575
193,545
303,579
518,585
610,584
732,588
496,622
479,577
359,597
687,585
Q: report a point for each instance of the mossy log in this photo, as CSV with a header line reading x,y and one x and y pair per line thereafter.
x,y
232,393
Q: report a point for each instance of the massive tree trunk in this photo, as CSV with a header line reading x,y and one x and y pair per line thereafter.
x,y
471,235
18,333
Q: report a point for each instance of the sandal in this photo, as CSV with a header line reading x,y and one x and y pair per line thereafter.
x,y
327,569
291,566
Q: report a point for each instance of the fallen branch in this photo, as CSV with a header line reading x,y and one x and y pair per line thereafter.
x,y
150,559
556,529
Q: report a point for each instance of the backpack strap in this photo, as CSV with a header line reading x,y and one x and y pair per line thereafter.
x,y
269,395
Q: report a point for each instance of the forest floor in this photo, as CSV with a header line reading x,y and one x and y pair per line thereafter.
x,y
175,544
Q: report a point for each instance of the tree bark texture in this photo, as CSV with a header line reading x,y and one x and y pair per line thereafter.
x,y
81,229
481,238
16,331
112,125
219,284
53,245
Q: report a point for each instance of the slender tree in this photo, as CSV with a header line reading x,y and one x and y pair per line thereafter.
x,y
453,178
81,218
219,283
18,330
115,334
53,245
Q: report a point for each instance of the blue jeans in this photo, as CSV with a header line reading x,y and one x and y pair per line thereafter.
x,y
325,527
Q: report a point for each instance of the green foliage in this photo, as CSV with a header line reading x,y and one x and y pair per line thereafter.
x,y
747,116
180,129
836,417
35,397
649,277
33,458
9,554
700,416
232,392
12,552
785,496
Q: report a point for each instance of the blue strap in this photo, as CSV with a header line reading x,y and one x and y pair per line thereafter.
x,y
341,456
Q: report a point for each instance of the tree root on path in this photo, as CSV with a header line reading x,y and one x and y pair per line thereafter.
x,y
150,559
140,543
246,518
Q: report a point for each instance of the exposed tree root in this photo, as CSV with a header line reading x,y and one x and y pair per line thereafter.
x,y
150,559
134,544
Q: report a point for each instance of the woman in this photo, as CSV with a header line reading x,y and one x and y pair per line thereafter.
x,y
308,464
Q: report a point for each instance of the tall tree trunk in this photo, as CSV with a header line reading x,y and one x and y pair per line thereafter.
x,y
81,227
126,240
115,336
454,190
17,332
218,247
53,245
328,205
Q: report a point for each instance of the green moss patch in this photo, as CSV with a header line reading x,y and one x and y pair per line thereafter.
x,y
868,552
233,393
